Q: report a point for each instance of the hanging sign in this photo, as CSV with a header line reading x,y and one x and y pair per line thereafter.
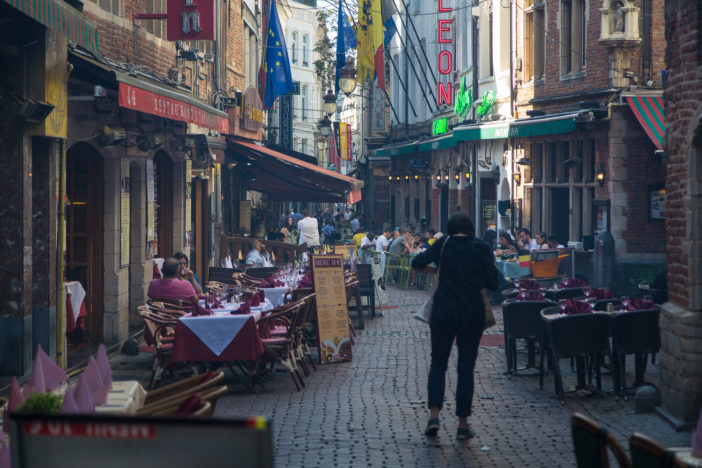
x,y
332,311
439,126
190,20
445,90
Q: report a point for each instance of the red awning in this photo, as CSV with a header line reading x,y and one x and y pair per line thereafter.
x,y
157,100
650,113
286,178
354,196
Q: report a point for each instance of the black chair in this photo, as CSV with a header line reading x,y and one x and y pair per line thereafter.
x,y
366,285
262,273
635,332
565,293
580,336
593,444
522,320
647,453
222,275
659,296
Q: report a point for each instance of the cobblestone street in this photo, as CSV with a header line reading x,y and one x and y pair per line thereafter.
x,y
371,412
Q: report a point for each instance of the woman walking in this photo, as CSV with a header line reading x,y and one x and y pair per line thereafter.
x,y
467,265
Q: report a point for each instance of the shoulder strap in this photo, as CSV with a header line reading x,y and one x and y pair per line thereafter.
x,y
441,253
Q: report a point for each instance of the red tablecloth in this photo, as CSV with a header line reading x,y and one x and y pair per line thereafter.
x,y
246,345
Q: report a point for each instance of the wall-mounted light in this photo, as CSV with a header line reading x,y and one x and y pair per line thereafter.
x,y
438,176
416,177
397,178
329,105
517,178
406,178
600,175
457,176
446,177
325,126
390,178
467,176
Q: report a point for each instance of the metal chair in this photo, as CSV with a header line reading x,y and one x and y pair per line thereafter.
x,y
366,285
522,320
635,332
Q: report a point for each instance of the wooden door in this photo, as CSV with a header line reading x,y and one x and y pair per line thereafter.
x,y
163,205
200,252
84,233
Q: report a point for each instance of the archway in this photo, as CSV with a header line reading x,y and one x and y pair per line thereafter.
x,y
84,235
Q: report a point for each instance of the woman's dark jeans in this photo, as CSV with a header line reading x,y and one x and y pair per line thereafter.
x,y
467,341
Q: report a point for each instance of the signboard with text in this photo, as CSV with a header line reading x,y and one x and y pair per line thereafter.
x,y
190,20
332,309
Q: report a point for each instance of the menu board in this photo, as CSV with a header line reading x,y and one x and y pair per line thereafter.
x,y
332,311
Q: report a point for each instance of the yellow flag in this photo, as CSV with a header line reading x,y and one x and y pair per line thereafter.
x,y
240,258
370,42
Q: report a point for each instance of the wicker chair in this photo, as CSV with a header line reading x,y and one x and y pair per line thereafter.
x,y
591,443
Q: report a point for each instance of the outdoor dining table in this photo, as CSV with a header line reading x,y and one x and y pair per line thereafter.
x,y
221,337
684,455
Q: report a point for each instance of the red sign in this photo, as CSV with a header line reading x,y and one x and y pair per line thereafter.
x,y
90,430
141,100
190,20
445,90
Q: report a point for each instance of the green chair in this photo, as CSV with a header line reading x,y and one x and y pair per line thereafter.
x,y
397,269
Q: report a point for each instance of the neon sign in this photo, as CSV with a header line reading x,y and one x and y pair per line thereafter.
x,y
445,90
464,99
439,126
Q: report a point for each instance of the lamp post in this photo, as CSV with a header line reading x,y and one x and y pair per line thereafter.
x,y
347,79
325,126
329,105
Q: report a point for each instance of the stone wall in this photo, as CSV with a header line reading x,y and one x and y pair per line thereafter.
x,y
681,322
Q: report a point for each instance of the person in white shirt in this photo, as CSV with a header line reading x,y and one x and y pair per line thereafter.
x,y
356,223
347,215
381,243
308,230
367,241
526,242
255,256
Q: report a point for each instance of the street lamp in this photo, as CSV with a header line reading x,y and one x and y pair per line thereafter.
x,y
325,126
600,175
347,79
329,105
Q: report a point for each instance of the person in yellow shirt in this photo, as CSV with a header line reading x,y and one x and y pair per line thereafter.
x,y
358,237
430,236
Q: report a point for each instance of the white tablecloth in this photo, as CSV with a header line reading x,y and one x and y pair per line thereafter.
x,y
125,398
276,295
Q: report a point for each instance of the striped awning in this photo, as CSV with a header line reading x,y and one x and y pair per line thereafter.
x,y
60,17
650,113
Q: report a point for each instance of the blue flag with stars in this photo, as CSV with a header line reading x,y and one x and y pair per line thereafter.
x,y
278,76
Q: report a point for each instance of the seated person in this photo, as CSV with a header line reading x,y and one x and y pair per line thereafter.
x,y
542,240
383,240
368,241
255,257
506,244
358,237
170,287
185,273
402,245
489,238
430,236
526,242
553,242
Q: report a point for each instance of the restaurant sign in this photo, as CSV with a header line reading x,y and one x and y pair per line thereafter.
x,y
141,100
332,311
190,20
439,126
251,110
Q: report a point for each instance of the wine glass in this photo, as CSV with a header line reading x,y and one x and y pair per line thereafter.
x,y
210,300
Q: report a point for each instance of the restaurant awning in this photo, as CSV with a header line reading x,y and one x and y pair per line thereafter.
x,y
650,113
535,126
286,178
62,18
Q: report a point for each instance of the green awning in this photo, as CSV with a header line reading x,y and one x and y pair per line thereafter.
x,y
60,17
536,126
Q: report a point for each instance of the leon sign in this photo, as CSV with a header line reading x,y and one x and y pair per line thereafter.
x,y
190,20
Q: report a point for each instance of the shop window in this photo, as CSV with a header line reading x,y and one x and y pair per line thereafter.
x,y
305,50
293,47
537,161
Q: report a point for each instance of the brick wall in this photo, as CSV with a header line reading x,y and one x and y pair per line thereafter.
x,y
235,77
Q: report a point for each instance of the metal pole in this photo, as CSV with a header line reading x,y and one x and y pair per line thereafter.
x,y
429,67
403,85
61,351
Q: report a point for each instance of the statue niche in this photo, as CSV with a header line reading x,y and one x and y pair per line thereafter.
x,y
620,22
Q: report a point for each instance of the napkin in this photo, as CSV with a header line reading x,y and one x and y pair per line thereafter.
x,y
305,281
53,374
574,306
262,296
279,283
255,300
36,382
228,262
189,405
104,365
697,439
637,303
530,296
16,396
82,396
601,293
267,283
5,461
573,283
529,285
197,310
244,308
95,381
69,405
157,273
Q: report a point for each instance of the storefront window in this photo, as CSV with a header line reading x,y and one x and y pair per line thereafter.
x,y
537,161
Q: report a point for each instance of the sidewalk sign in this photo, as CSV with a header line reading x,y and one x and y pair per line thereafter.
x,y
332,310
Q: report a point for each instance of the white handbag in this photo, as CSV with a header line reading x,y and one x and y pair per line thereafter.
x,y
424,312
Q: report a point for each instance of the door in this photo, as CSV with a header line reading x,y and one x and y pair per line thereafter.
x,y
84,233
488,204
163,204
444,208
199,251
560,214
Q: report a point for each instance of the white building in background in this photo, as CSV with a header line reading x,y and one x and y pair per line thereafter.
x,y
301,35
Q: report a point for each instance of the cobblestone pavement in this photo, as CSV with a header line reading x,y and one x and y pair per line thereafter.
x,y
371,412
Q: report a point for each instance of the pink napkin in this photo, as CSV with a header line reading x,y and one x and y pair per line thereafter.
x,y
530,296
529,285
16,399
197,310
96,382
53,374
573,283
82,396
574,306
697,439
306,281
104,365
255,300
279,284
601,293
637,303
244,308
69,405
5,461
36,382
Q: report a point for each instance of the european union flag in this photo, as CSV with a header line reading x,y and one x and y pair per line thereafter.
x,y
278,77
345,40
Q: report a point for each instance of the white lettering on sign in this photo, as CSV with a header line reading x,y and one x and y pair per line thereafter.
x,y
188,18
90,430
